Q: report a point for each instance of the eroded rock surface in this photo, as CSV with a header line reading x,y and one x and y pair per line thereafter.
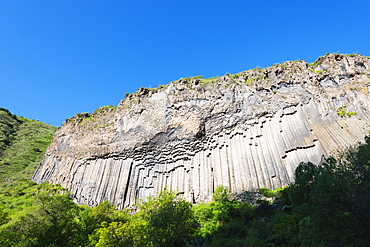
x,y
245,131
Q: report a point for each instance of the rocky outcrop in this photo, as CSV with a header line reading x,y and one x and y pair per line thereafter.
x,y
245,131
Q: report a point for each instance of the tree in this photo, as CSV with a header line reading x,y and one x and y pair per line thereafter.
x,y
129,233
330,201
165,220
222,194
169,219
50,224
91,219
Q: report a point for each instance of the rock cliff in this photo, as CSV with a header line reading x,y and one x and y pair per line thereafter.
x,y
246,131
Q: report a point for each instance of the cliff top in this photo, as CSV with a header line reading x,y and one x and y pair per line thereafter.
x,y
190,107
257,78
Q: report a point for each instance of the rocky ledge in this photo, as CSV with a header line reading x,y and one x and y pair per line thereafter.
x,y
246,131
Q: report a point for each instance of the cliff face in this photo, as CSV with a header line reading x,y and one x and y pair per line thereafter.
x,y
245,131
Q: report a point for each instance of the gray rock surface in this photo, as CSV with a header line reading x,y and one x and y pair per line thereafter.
x,y
245,131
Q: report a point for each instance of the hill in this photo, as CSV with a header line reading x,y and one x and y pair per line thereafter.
x,y
22,145
245,131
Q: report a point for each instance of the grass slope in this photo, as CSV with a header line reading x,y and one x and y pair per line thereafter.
x,y
22,146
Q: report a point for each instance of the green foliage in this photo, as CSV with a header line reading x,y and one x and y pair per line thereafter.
x,y
168,219
4,216
268,192
249,81
351,113
209,80
342,111
191,78
103,110
90,120
222,194
286,230
90,220
165,220
330,201
18,194
22,142
316,63
317,71
8,126
205,215
79,118
122,234
223,222
327,205
51,222
235,76
27,148
27,141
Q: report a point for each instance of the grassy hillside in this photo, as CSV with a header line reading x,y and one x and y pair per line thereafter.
x,y
8,125
22,146
22,143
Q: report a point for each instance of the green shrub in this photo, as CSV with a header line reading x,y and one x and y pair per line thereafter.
x,y
317,71
351,113
316,63
341,111
268,192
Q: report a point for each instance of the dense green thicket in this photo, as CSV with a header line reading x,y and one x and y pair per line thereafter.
x,y
327,205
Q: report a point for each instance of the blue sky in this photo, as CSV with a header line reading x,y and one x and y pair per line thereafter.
x,y
61,57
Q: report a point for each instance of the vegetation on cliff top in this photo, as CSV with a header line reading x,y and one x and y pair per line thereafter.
x,y
252,77
258,77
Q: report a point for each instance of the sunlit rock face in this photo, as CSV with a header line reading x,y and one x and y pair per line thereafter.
x,y
245,131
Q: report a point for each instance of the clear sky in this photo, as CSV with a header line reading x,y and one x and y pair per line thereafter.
x,y
61,57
